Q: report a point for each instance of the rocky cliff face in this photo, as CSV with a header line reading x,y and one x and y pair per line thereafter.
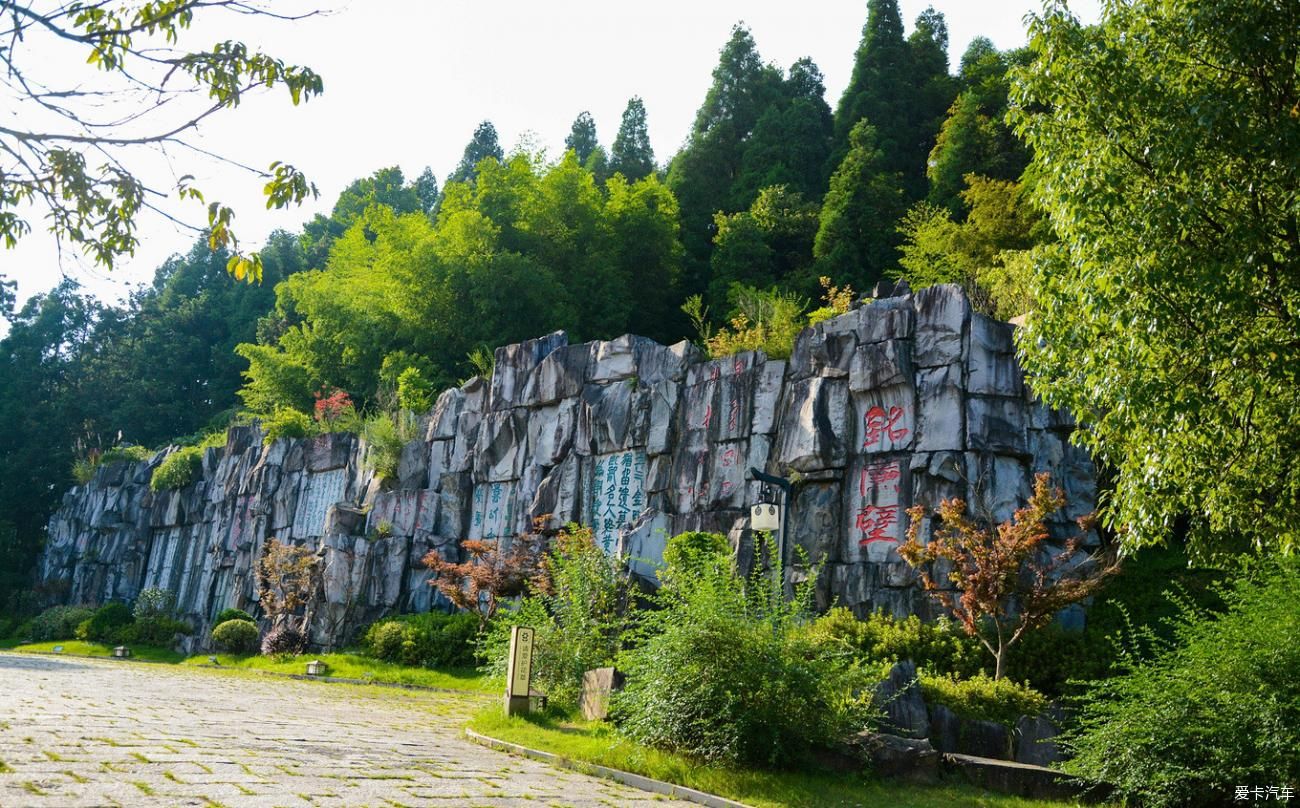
x,y
906,400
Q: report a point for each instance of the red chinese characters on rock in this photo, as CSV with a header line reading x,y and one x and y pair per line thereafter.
x,y
874,523
878,424
876,473
878,516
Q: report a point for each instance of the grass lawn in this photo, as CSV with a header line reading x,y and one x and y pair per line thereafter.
x,y
94,649
355,666
345,666
596,742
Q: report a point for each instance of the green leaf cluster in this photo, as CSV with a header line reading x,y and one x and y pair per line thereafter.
x,y
1166,147
177,469
524,249
1216,707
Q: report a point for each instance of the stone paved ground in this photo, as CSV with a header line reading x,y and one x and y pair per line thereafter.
x,y
79,732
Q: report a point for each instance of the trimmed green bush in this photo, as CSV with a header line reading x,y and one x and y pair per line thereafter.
x,y
982,698
103,625
234,614
1052,657
177,470
430,640
1216,707
236,637
59,622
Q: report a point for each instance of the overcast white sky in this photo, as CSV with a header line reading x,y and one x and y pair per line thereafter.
x,y
406,82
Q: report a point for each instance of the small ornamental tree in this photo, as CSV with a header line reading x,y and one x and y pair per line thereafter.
x,y
287,577
1007,583
333,408
490,573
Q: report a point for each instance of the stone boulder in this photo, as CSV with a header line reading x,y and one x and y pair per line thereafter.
x,y
899,698
893,756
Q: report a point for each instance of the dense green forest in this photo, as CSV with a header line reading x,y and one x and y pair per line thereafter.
x,y
771,191
1019,174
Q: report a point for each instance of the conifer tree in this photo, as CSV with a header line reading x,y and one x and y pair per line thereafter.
x,y
632,155
484,144
426,188
791,141
582,137
703,174
856,238
975,138
901,86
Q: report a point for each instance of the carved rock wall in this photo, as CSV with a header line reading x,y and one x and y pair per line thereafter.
x,y
906,400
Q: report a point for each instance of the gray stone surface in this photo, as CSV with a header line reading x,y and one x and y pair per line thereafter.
x,y
93,733
908,399
1035,741
894,756
899,698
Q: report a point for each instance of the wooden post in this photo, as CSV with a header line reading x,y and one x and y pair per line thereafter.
x,y
519,673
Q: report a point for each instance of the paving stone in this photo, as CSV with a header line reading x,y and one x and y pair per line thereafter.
x,y
95,733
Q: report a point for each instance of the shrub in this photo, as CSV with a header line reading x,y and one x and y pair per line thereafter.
x,y
941,647
236,636
234,614
414,392
129,454
284,640
725,670
580,610
385,638
103,625
154,602
286,422
177,470
982,698
383,446
1218,706
1049,659
159,631
59,622
335,412
83,468
430,640
760,321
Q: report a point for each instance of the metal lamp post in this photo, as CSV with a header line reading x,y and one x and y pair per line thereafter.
x,y
769,515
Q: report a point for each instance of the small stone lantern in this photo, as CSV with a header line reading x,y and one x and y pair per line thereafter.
x,y
315,668
121,652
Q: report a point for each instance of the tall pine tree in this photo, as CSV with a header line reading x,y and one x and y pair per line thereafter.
x,y
582,137
703,174
856,238
484,144
975,138
901,87
791,141
632,156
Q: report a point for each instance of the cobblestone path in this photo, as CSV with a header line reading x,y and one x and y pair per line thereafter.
x,y
79,732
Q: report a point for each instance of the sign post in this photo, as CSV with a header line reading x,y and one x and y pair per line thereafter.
x,y
519,673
